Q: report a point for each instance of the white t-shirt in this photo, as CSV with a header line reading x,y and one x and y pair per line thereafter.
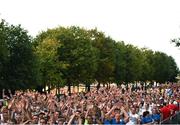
x,y
1,118
133,119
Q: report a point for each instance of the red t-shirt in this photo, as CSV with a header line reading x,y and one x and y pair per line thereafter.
x,y
166,112
173,107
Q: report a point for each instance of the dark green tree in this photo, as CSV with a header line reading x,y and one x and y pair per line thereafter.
x,y
20,71
46,46
147,67
132,64
120,64
78,54
165,68
3,54
106,57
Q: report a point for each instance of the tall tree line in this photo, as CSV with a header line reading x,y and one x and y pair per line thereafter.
x,y
72,56
17,59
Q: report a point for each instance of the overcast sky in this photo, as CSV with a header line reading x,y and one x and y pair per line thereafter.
x,y
143,23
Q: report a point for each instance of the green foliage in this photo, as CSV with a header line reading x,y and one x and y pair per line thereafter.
x,y
120,64
165,68
3,52
78,54
19,67
106,56
133,63
176,41
73,55
147,67
49,66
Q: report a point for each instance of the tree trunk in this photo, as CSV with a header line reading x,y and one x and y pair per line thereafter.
x,y
98,85
39,88
136,86
145,86
58,88
107,85
78,88
127,86
88,87
69,87
44,87
0,93
49,88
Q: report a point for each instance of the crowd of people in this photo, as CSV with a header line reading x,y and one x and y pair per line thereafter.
x,y
107,105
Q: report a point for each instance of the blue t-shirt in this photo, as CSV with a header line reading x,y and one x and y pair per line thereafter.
x,y
156,117
145,120
107,122
121,122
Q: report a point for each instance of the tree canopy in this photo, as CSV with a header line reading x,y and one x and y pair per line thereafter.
x,y
72,56
17,64
176,41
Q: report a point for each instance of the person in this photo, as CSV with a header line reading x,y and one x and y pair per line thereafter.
x,y
103,106
173,108
144,107
156,116
118,119
4,115
18,119
43,121
107,120
35,119
146,118
75,119
55,117
61,121
133,117
168,91
165,111
88,120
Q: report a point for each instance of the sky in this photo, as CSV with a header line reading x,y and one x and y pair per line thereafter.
x,y
143,23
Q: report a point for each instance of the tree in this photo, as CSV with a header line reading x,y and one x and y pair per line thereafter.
x,y
76,51
106,57
72,56
133,64
147,67
176,41
3,53
173,70
48,63
165,68
19,69
120,64
46,46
